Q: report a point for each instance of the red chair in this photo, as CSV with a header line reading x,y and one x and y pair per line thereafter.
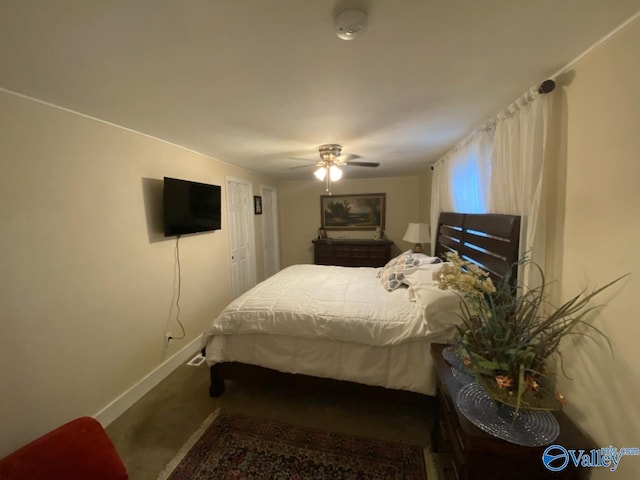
x,y
78,450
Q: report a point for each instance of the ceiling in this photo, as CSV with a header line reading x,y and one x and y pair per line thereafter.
x,y
254,82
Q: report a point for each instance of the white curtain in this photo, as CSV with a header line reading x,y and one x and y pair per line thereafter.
x,y
517,172
499,169
438,204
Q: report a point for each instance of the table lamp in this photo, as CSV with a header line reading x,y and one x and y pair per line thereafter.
x,y
417,233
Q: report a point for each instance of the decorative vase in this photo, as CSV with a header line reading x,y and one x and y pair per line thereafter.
x,y
454,358
459,370
530,428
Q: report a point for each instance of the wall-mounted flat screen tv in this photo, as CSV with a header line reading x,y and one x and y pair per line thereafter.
x,y
190,207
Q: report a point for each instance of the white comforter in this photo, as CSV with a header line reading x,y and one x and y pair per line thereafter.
x,y
334,303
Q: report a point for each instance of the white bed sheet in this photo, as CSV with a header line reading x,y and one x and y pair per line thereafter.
x,y
334,303
407,366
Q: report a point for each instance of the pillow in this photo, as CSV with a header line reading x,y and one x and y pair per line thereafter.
x,y
392,275
442,307
419,279
395,260
426,259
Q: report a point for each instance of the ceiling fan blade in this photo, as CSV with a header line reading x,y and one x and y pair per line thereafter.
x,y
303,159
363,164
302,166
347,157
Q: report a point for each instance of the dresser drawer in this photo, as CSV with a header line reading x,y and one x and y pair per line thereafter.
x,y
360,252
379,252
344,252
324,250
352,253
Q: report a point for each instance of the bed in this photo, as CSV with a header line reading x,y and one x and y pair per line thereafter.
x,y
317,322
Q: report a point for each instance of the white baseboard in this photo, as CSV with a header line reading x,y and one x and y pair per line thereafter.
x,y
118,406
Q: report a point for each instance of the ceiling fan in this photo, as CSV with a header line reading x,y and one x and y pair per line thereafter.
x,y
331,159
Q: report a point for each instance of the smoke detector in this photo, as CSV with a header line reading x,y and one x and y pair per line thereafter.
x,y
350,23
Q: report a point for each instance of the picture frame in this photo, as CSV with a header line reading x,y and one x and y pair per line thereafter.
x,y
257,205
322,233
362,211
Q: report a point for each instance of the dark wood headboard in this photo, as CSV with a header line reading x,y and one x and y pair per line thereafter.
x,y
488,239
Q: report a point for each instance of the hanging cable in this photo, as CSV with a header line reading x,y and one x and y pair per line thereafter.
x,y
179,290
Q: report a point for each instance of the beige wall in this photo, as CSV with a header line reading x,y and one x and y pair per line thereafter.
x,y
87,281
425,195
300,212
597,219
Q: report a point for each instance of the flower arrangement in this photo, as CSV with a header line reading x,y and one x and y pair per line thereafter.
x,y
507,338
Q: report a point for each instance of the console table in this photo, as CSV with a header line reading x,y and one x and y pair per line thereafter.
x,y
469,453
352,252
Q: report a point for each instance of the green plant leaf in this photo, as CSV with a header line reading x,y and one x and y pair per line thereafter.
x,y
515,330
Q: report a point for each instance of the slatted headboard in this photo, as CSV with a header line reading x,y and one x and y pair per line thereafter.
x,y
489,239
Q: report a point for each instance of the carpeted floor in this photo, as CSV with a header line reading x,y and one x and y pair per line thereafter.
x,y
152,432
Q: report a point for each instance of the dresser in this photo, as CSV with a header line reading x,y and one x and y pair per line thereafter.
x,y
468,453
351,252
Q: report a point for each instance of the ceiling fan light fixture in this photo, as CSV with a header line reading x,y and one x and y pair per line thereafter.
x,y
320,173
335,173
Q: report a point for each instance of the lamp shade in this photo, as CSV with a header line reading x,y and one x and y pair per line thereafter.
x,y
320,173
417,233
335,173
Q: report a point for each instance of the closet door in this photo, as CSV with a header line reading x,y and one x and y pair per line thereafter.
x,y
270,230
241,236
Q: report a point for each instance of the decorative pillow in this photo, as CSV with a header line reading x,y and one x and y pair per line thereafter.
x,y
421,280
392,276
395,260
442,307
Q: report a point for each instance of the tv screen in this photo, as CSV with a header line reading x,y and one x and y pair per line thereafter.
x,y
190,207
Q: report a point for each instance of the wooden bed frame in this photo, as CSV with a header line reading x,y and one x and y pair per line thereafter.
x,y
490,240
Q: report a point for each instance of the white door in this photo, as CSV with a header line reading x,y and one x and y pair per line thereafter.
x,y
270,230
241,237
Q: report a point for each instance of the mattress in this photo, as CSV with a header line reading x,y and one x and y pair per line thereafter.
x,y
336,322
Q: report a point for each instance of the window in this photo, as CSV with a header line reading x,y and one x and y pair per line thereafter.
x,y
467,184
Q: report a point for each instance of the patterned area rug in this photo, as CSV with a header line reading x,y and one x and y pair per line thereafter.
x,y
238,448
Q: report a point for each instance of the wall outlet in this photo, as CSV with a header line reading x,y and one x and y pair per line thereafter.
x,y
168,337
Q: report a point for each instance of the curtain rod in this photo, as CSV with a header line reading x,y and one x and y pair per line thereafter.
x,y
545,87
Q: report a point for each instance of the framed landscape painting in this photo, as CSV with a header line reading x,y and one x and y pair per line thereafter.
x,y
363,211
